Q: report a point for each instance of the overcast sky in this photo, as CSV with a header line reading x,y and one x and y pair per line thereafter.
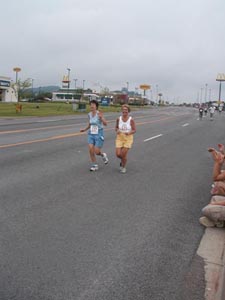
x,y
175,45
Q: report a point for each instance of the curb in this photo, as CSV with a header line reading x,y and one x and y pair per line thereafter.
x,y
212,250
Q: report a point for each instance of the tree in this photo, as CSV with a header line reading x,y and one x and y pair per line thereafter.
x,y
105,91
20,87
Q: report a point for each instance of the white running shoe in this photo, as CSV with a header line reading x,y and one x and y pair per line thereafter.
x,y
105,158
206,222
94,168
123,170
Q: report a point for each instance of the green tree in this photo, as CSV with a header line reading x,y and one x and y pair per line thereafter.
x,y
20,88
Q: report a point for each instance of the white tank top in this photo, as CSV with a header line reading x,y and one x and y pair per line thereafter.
x,y
125,126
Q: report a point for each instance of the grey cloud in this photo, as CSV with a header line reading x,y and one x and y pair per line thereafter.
x,y
175,44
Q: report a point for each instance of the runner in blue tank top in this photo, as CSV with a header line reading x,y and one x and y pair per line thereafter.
x,y
95,135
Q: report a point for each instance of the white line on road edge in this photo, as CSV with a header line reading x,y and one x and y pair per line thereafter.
x,y
186,124
152,138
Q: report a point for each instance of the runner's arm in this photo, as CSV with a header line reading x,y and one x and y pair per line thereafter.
x,y
117,126
102,119
86,128
133,127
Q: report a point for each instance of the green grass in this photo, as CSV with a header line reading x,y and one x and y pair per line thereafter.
x,y
47,109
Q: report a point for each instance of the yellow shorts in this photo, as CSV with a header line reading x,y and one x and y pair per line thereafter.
x,y
124,141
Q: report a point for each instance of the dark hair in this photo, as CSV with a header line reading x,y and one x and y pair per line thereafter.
x,y
95,102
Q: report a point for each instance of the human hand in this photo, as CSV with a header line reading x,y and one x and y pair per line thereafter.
x,y
213,152
218,188
217,156
220,158
221,148
100,115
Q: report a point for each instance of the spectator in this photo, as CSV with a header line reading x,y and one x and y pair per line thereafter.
x,y
214,212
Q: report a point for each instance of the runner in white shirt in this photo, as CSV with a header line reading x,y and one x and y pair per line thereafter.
x,y
211,112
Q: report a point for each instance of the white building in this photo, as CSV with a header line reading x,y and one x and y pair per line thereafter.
x,y
7,93
66,94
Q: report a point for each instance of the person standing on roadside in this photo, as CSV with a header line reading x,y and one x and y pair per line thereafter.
x,y
125,129
95,134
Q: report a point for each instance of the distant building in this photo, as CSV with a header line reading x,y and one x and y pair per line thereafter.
x,y
65,95
120,99
7,93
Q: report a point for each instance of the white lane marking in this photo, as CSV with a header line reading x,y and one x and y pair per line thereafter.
x,y
152,138
186,124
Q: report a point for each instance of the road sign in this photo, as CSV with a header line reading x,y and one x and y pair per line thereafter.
x,y
145,87
220,77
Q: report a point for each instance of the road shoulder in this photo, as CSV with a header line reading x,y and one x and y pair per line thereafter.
x,y
211,249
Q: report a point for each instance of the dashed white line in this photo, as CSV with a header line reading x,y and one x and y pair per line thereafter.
x,y
152,138
186,124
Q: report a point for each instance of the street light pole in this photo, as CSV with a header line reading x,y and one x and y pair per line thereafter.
x,y
206,85
198,97
220,91
127,86
83,83
201,96
75,83
209,95
32,86
17,70
157,91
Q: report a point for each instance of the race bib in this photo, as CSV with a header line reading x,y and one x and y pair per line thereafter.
x,y
124,128
94,129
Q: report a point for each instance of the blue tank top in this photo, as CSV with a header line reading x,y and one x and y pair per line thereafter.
x,y
95,121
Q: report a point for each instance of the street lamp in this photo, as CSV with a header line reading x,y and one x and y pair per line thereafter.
x,y
127,86
201,96
32,87
198,98
209,95
75,83
151,97
68,69
206,85
17,70
157,92
83,83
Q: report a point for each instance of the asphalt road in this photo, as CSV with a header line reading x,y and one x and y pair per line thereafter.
x,y
70,234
